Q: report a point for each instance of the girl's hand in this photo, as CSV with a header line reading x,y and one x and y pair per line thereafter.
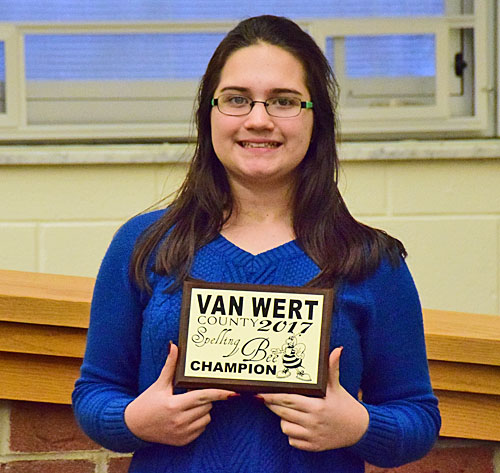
x,y
315,424
159,415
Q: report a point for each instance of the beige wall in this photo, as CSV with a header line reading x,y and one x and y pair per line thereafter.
x,y
60,218
447,213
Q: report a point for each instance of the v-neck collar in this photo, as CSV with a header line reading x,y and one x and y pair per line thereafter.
x,y
242,257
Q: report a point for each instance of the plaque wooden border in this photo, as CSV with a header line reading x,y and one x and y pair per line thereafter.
x,y
312,389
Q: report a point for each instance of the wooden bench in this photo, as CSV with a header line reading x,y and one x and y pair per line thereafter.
x,y
44,320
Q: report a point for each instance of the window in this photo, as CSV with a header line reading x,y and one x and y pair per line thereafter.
x,y
2,77
423,69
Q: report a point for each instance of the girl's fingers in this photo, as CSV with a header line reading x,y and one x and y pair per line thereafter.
x,y
303,445
192,415
292,401
290,415
294,431
334,369
199,424
166,378
196,433
199,397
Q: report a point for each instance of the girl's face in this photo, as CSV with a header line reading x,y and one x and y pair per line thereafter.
x,y
259,148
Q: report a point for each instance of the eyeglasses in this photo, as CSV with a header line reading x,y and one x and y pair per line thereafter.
x,y
239,105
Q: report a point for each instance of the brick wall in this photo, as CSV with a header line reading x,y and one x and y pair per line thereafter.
x,y
453,457
44,438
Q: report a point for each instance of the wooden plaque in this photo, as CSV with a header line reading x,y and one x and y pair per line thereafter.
x,y
255,338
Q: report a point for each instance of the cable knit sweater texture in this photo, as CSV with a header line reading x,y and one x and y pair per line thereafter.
x,y
378,321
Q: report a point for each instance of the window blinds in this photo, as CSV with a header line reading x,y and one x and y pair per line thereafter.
x,y
184,56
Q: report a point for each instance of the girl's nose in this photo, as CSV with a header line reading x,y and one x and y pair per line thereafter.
x,y
259,118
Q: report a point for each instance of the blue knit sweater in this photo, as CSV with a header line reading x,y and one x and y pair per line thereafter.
x,y
378,322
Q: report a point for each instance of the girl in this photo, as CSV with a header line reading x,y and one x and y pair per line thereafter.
x,y
260,205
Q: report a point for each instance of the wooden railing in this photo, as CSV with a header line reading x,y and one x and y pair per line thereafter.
x,y
44,320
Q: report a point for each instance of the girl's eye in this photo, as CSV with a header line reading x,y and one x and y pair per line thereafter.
x,y
237,100
284,102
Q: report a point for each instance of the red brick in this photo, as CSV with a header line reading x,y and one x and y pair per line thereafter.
x,y
39,427
53,466
447,460
119,465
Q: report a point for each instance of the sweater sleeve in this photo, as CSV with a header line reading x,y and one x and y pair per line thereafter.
x,y
404,416
109,374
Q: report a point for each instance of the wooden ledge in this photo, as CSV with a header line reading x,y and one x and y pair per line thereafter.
x,y
462,337
46,299
43,322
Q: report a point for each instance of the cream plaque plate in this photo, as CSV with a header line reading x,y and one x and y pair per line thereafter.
x,y
255,338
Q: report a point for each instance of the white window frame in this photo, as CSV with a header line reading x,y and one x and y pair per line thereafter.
x,y
431,120
14,79
495,91
360,122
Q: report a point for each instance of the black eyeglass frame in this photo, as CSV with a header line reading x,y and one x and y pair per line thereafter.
x,y
303,104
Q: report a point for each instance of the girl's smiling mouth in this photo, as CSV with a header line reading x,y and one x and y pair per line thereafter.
x,y
259,144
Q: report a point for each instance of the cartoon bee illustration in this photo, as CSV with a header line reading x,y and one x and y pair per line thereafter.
x,y
292,354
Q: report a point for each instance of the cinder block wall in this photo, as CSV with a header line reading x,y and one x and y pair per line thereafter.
x,y
447,213
59,219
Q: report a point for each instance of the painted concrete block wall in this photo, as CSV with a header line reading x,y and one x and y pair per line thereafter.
x,y
447,213
60,218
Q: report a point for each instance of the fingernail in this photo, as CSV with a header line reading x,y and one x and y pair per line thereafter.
x,y
233,395
170,345
259,398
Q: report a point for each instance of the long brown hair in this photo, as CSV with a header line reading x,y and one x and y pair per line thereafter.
x,y
342,247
